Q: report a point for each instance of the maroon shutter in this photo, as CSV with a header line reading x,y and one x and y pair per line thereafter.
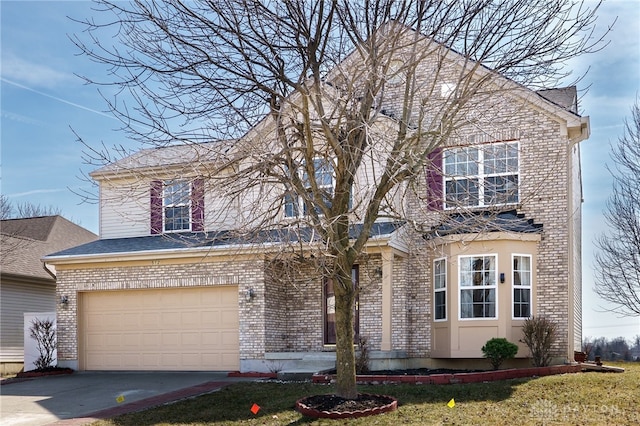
x,y
434,180
197,205
156,207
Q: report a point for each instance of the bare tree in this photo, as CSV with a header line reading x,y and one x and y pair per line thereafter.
x,y
6,209
617,263
295,91
9,210
12,241
25,210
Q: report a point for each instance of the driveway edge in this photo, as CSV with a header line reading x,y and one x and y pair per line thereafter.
x,y
143,404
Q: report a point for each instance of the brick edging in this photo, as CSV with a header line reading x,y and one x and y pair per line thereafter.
x,y
445,379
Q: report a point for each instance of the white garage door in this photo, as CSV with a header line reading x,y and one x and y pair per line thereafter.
x,y
168,329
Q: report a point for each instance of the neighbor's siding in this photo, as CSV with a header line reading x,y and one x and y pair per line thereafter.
x,y
15,300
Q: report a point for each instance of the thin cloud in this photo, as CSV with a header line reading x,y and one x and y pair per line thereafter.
x,y
20,118
36,192
32,74
64,101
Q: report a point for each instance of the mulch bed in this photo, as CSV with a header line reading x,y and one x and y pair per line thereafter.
x,y
49,371
449,376
335,407
418,372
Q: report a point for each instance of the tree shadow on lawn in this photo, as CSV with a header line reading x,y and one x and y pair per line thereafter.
x,y
276,401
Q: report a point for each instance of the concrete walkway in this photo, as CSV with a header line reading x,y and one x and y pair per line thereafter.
x,y
83,397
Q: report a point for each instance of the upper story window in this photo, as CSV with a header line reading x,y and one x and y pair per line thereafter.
x,y
295,206
176,206
479,176
478,277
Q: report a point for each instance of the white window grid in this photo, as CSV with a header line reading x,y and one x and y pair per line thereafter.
x,y
522,276
440,288
294,206
471,172
487,278
176,202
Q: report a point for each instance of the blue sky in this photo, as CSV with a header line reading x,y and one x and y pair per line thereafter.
x,y
42,100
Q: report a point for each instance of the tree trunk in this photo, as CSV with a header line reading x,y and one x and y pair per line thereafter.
x,y
345,352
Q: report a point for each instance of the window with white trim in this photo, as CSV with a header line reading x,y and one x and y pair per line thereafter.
x,y
521,286
294,206
482,175
440,289
478,277
176,205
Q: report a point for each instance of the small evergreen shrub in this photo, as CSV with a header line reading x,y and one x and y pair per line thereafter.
x,y
498,350
540,334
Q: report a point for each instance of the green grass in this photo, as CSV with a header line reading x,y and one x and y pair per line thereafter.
x,y
578,399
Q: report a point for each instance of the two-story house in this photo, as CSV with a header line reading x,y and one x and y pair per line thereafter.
x,y
487,236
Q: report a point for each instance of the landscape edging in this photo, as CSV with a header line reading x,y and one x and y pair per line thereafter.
x,y
453,378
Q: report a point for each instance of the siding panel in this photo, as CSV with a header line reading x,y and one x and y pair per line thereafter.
x,y
124,211
15,300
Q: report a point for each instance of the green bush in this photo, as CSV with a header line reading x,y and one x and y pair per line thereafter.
x,y
499,349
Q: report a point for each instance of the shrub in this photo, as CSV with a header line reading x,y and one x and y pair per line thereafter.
x,y
44,333
362,358
499,349
539,336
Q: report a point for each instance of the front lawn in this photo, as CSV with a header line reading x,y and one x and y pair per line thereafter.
x,y
578,399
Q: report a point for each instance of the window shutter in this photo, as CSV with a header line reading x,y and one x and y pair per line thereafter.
x,y
156,207
434,180
197,205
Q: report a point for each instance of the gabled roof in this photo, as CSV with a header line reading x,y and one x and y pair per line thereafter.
x,y
208,240
185,155
482,222
24,242
560,102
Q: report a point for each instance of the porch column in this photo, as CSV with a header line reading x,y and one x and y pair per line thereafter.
x,y
387,300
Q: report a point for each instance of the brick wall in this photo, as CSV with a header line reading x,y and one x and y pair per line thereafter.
x,y
244,274
544,197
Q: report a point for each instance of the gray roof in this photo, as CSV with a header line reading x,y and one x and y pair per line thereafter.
x,y
566,97
484,221
199,240
186,154
24,242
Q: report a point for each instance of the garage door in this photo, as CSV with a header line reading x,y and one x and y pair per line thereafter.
x,y
169,329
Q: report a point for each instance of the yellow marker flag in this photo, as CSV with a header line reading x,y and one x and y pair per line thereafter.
x,y
120,399
451,403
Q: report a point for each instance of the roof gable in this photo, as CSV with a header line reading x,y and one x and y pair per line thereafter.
x,y
24,242
560,103
34,228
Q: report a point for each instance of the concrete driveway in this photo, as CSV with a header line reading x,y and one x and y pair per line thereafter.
x,y
84,396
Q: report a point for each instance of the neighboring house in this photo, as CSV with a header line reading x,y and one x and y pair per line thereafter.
x,y
25,285
170,286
